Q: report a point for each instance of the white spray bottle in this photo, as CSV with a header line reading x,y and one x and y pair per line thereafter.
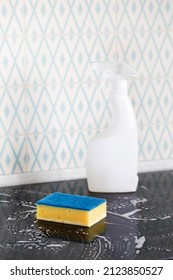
x,y
113,156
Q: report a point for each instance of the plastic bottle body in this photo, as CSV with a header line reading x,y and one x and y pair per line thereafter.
x,y
113,156
123,116
112,163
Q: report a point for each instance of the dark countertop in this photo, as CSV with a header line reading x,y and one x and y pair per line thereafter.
x,y
138,225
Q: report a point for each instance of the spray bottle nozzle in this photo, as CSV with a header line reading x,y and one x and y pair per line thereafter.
x,y
112,70
116,73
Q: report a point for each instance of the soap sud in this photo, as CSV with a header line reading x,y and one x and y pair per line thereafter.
x,y
145,188
105,239
28,211
27,230
125,215
118,224
28,205
55,245
11,219
5,194
125,239
99,250
139,242
138,200
168,250
166,217
129,214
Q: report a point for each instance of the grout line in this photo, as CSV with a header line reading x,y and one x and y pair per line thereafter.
x,y
149,31
48,84
83,82
40,35
94,129
116,32
52,133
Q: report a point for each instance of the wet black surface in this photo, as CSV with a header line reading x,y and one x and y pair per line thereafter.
x,y
138,225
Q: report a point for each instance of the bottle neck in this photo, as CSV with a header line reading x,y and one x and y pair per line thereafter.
x,y
123,117
118,86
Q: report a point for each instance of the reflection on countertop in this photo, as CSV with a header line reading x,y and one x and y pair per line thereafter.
x,y
72,232
138,225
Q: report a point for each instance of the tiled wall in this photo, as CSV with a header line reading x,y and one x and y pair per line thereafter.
x,y
49,106
49,100
145,40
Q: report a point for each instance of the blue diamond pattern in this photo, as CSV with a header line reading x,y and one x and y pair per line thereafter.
x,y
50,105
8,160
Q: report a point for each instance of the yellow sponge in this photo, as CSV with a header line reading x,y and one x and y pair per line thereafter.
x,y
71,209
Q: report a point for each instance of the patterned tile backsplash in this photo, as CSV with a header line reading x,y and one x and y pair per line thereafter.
x,y
50,105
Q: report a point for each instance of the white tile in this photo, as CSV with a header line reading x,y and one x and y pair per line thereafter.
x,y
66,59
153,100
141,130
11,17
41,114
66,108
150,53
40,153
82,114
164,18
165,144
144,15
11,61
49,59
13,155
155,142
39,60
57,17
38,15
165,44
101,16
49,17
57,151
148,144
128,14
166,100
12,111
101,47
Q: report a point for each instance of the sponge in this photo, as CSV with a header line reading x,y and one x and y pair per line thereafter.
x,y
71,209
